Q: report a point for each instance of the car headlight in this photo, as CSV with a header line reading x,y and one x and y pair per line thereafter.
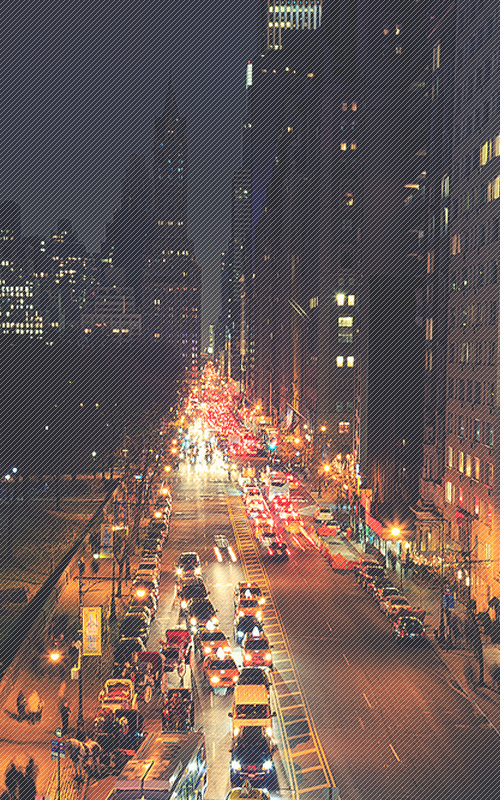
x,y
235,764
184,604
248,657
269,731
259,615
240,614
197,571
261,601
207,650
193,620
214,679
178,571
267,764
235,677
267,657
236,731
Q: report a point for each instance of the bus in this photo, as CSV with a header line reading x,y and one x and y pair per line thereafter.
x,y
167,766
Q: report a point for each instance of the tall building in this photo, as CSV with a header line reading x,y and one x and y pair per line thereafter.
x,y
459,507
171,279
10,239
278,19
124,250
233,322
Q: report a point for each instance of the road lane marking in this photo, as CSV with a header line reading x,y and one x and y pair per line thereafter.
x,y
367,701
286,694
313,788
345,659
304,752
395,754
361,722
311,769
288,708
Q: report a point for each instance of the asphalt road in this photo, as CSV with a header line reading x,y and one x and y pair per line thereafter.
x,y
390,719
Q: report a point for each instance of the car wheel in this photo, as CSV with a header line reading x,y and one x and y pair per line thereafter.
x,y
148,694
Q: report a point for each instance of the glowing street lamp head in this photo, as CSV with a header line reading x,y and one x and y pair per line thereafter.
x,y
395,531
141,593
326,467
55,656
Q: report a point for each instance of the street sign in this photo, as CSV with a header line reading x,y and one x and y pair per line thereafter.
x,y
57,749
58,732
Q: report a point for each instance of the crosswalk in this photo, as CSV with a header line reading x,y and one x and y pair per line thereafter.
x,y
304,758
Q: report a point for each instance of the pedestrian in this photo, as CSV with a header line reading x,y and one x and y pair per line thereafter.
x,y
21,706
27,783
12,781
65,712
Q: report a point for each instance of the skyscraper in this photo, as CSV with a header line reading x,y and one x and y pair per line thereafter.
x,y
171,280
277,19
124,249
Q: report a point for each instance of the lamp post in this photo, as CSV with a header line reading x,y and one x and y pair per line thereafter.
x,y
80,724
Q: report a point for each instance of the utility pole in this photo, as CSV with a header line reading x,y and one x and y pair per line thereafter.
x,y
80,725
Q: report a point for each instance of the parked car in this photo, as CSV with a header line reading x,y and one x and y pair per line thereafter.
x,y
323,514
393,605
409,629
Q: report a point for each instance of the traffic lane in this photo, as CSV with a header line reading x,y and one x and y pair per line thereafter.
x,y
384,702
202,512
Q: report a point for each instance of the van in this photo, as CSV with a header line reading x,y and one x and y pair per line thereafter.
x,y
251,707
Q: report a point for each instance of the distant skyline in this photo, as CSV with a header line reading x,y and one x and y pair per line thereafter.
x,y
82,85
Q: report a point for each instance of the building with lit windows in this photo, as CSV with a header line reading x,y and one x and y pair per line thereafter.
x,y
20,313
300,15
459,505
171,279
10,239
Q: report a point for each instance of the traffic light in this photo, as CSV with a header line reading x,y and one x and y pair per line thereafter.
x,y
273,444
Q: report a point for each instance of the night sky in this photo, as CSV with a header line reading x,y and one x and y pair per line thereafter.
x,y
82,82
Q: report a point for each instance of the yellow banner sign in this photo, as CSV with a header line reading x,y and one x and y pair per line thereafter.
x,y
92,628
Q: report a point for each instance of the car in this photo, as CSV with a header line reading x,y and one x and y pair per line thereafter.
x,y
188,564
292,481
149,568
245,625
409,628
333,525
262,521
223,550
202,616
143,614
323,514
252,758
191,590
137,604
384,592
141,588
249,605
220,671
256,651
395,604
251,794
124,651
370,573
254,676
377,582
248,589
151,547
158,527
255,508
279,551
212,641
250,493
132,626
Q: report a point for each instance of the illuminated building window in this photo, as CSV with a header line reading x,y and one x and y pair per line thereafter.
x,y
344,106
354,106
351,299
340,299
450,457
449,492
353,145
313,302
340,361
350,361
343,145
345,322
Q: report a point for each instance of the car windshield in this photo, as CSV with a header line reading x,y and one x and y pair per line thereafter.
x,y
247,623
249,602
187,559
252,711
253,677
215,636
374,571
224,664
171,654
257,644
324,511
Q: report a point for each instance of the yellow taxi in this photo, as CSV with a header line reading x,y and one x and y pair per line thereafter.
x,y
221,671
249,606
256,651
247,589
211,641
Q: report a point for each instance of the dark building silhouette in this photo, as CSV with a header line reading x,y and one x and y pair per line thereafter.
x,y
124,250
171,280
